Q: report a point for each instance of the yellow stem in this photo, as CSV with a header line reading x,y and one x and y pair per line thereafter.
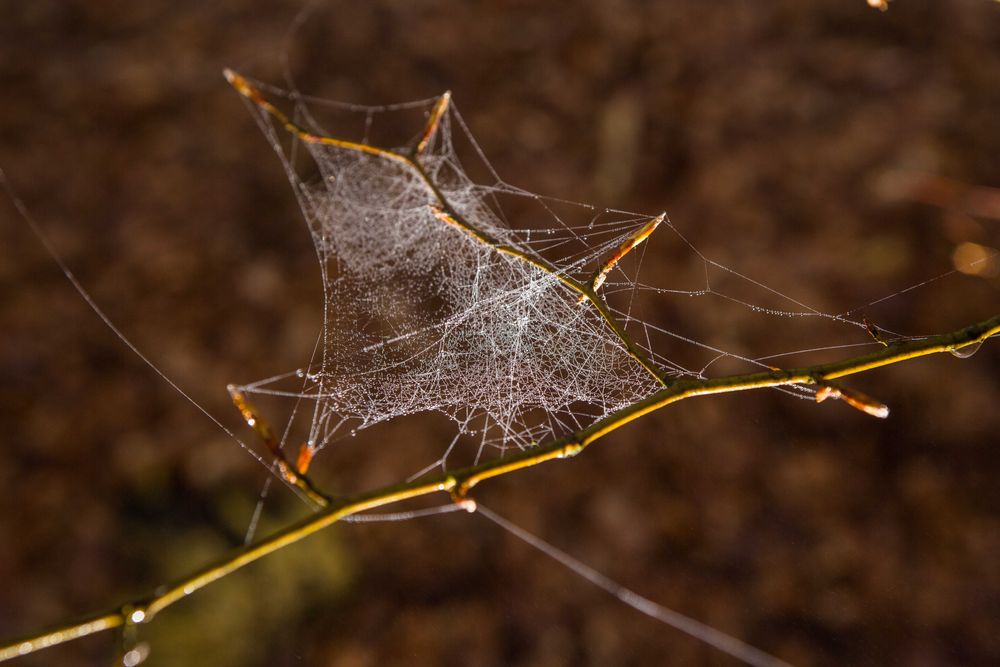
x,y
458,483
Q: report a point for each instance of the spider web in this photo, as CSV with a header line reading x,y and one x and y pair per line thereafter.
x,y
420,316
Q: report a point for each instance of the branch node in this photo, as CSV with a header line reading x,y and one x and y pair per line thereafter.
x,y
293,474
459,496
570,450
468,504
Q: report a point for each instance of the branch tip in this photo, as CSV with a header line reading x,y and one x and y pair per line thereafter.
x,y
433,121
630,243
242,86
304,458
853,398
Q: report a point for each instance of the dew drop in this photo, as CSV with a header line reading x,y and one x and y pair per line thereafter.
x,y
354,432
300,373
967,351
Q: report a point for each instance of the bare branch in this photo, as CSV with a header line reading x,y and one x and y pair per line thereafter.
x,y
458,484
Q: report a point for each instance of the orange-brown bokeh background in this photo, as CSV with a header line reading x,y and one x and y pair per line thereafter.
x,y
788,140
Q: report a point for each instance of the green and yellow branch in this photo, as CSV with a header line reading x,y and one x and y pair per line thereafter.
x,y
458,483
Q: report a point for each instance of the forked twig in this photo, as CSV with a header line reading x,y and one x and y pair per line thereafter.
x,y
457,484
444,211
293,474
585,291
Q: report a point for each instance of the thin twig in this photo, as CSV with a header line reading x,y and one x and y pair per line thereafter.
x,y
630,244
293,474
458,483
437,113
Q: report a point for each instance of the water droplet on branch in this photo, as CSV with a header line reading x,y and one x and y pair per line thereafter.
x,y
967,351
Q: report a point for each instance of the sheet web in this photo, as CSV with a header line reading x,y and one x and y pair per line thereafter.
x,y
484,326
518,317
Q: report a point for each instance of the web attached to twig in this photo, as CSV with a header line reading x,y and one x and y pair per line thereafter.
x,y
436,301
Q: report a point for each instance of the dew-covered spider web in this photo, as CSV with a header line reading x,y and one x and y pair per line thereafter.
x,y
521,318
469,313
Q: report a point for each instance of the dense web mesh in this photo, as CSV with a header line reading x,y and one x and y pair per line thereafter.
x,y
422,315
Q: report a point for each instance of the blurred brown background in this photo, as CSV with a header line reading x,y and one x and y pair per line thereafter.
x,y
782,138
